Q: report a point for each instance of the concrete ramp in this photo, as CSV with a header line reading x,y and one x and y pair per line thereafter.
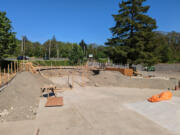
x,y
165,113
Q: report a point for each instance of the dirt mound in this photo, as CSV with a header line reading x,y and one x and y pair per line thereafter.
x,y
114,78
20,99
106,78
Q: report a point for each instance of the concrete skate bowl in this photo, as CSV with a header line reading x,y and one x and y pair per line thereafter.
x,y
63,78
116,79
20,99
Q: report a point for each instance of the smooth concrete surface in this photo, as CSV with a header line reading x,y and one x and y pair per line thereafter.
x,y
91,111
164,113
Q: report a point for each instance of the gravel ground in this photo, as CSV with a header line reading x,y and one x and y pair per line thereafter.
x,y
20,99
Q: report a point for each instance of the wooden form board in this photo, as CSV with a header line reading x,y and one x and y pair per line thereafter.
x,y
54,101
124,71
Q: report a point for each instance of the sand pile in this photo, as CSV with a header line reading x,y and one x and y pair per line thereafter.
x,y
21,98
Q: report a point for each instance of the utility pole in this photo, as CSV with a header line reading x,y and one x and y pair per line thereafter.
x,y
84,50
57,52
22,47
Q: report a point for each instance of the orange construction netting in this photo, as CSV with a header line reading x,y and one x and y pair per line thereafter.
x,y
167,95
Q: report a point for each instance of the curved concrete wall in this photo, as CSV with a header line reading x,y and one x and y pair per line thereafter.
x,y
168,67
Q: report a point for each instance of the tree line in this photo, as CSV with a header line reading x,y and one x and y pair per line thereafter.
x,y
56,49
135,40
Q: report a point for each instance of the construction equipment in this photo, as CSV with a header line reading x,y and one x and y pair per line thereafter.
x,y
48,89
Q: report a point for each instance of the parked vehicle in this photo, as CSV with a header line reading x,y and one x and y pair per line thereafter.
x,y
22,58
46,58
149,68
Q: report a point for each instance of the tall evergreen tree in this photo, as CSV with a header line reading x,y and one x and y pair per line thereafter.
x,y
7,37
83,45
133,34
76,55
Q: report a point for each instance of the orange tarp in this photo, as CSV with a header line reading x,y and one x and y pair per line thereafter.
x,y
167,95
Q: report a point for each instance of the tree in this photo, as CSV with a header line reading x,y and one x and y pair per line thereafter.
x,y
133,34
76,55
163,50
54,47
84,47
101,52
174,43
7,37
37,49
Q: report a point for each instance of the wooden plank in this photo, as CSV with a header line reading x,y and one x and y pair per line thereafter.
x,y
0,77
54,101
8,72
73,79
17,66
37,133
14,67
11,68
4,81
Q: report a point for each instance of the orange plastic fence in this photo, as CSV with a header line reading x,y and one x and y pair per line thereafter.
x,y
124,71
167,95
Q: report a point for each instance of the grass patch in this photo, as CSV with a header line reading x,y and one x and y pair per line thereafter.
x,y
102,60
50,62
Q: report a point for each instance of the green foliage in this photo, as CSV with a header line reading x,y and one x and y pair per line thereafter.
x,y
133,34
7,37
118,54
4,64
83,45
101,52
76,55
54,63
102,60
168,50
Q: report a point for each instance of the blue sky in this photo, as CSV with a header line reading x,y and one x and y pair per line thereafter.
x,y
73,20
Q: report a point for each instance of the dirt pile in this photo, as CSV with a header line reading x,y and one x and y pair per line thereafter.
x,y
106,78
20,99
114,78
